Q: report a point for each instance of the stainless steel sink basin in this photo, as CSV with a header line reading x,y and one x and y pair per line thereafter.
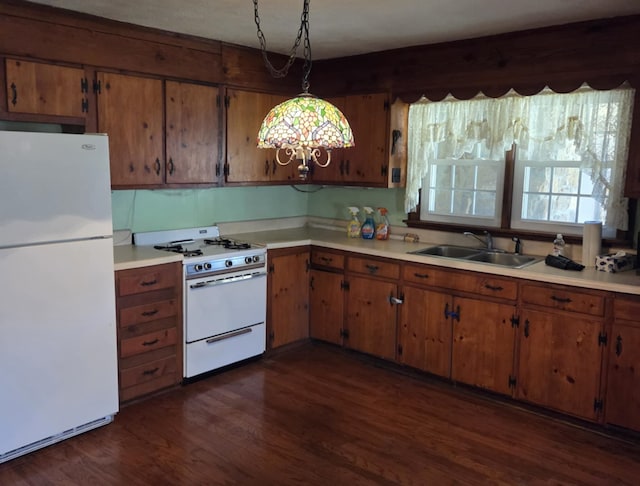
x,y
479,255
448,251
503,259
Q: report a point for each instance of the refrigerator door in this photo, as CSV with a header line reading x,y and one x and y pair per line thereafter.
x,y
57,340
55,187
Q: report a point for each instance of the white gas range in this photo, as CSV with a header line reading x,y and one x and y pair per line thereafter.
x,y
225,295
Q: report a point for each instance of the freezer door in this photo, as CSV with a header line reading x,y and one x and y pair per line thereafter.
x,y
54,187
57,340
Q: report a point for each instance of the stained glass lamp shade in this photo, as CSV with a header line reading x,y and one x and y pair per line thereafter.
x,y
302,126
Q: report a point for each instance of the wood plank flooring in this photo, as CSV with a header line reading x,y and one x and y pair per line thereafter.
x,y
318,415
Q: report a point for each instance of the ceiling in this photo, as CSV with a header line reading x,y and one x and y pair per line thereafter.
x,y
348,27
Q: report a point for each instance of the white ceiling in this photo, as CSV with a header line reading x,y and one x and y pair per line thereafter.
x,y
348,27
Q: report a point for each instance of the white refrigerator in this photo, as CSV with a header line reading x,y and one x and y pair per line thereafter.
x,y
58,353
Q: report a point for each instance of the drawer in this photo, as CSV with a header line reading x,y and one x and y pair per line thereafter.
x,y
148,342
148,279
564,298
423,274
164,381
484,284
627,308
148,312
148,372
377,268
327,259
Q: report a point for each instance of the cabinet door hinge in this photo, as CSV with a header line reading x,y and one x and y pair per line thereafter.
x,y
512,381
272,269
307,265
602,339
386,105
226,169
85,105
217,169
227,101
344,333
384,171
344,285
598,405
84,85
311,283
400,349
271,335
515,321
97,87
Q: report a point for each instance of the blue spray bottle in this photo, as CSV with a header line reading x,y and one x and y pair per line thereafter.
x,y
368,230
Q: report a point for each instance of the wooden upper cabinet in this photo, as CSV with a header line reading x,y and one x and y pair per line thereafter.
x,y
192,122
130,111
245,162
45,89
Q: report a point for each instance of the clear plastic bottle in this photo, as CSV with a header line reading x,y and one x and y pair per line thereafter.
x,y
558,245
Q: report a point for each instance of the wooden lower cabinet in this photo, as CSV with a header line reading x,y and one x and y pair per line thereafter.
x,y
149,315
288,296
483,344
622,404
425,332
326,306
371,317
560,360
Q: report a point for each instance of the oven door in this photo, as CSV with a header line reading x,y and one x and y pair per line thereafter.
x,y
219,304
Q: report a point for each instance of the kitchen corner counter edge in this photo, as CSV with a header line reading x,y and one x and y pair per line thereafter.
x,y
126,257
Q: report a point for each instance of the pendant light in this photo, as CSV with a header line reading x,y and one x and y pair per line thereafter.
x,y
305,126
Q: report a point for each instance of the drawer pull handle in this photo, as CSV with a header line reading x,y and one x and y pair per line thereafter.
x,y
14,94
618,345
150,313
150,372
372,268
495,288
229,335
421,275
147,283
326,259
526,328
561,300
150,343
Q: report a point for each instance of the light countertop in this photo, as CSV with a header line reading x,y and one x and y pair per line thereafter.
x,y
129,256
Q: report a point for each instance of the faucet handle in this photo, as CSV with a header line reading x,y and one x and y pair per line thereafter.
x,y
518,242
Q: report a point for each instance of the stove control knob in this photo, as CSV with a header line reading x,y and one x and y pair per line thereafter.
x,y
228,263
207,266
256,258
247,259
197,267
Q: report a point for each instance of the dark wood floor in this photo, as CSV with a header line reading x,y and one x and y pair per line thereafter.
x,y
319,415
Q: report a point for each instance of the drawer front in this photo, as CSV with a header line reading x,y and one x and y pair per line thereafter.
x,y
568,299
147,387
148,342
148,372
147,279
627,308
486,285
424,275
375,268
327,259
148,312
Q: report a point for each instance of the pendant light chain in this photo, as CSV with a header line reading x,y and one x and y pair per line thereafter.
x,y
304,29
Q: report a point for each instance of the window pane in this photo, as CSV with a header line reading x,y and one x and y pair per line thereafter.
x,y
537,179
442,175
487,176
563,208
463,202
465,177
440,201
566,179
535,206
589,210
485,204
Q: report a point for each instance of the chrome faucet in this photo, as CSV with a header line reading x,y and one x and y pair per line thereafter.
x,y
487,242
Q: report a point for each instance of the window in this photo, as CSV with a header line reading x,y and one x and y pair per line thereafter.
x,y
567,162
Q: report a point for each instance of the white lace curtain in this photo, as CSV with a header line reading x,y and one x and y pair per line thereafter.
x,y
593,125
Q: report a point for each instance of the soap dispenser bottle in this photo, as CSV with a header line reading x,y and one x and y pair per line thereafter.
x,y
368,229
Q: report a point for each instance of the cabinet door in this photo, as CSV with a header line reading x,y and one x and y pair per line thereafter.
x,y
45,89
483,344
368,116
245,161
425,331
288,299
335,172
622,406
371,317
326,306
559,364
130,111
192,133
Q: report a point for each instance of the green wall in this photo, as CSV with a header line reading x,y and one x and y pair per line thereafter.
x,y
149,210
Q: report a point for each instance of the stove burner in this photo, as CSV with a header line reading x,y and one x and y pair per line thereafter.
x,y
228,244
179,249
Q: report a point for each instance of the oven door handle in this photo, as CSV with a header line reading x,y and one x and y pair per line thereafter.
x,y
229,335
222,281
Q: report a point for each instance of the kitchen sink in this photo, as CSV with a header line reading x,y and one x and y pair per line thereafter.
x,y
479,255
